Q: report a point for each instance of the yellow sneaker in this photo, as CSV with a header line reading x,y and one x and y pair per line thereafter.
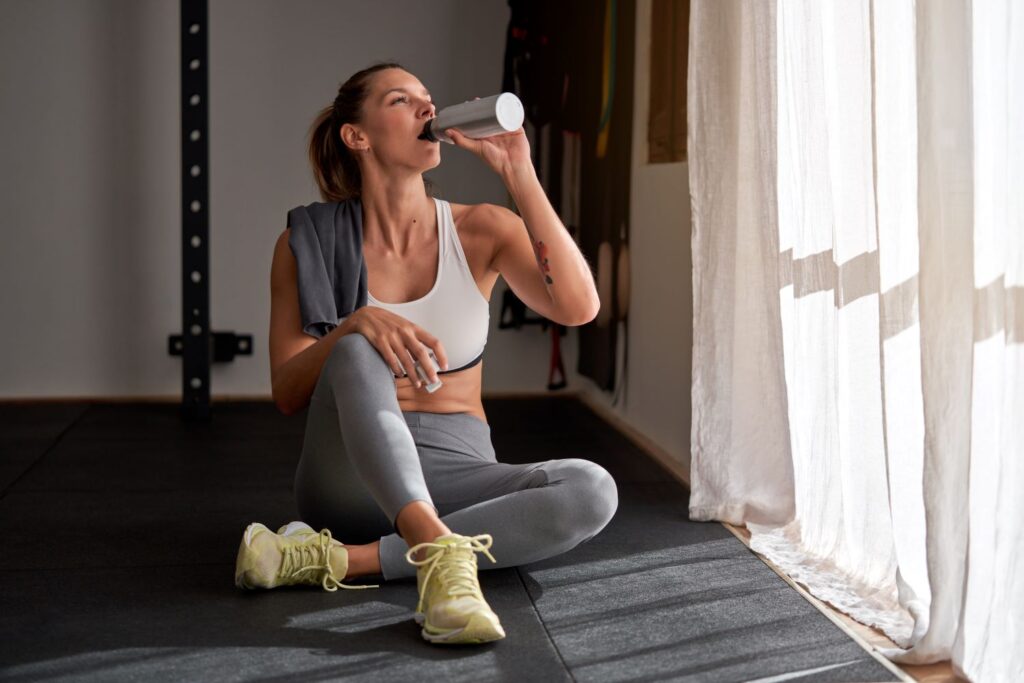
x,y
452,608
294,555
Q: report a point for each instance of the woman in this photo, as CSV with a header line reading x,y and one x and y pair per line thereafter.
x,y
409,476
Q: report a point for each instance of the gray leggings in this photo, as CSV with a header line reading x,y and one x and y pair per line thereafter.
x,y
363,459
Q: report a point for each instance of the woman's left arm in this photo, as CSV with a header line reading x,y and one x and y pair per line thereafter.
x,y
535,254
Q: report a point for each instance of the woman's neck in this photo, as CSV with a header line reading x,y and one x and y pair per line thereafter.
x,y
395,218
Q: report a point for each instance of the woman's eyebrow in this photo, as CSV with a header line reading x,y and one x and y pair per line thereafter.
x,y
425,92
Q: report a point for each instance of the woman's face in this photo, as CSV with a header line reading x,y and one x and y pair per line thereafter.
x,y
393,117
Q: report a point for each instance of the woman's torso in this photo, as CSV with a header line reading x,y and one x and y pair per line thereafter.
x,y
413,288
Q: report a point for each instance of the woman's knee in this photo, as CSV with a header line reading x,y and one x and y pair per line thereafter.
x,y
353,353
592,498
353,344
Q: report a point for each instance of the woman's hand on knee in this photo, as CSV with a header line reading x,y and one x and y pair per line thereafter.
x,y
399,341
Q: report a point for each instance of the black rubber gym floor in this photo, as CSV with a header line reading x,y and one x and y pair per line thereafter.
x,y
119,525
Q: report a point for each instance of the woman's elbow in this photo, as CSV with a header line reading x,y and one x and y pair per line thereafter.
x,y
283,402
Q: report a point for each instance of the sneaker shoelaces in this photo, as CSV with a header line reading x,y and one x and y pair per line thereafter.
x,y
308,561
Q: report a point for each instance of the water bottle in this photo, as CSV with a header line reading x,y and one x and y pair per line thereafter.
x,y
487,116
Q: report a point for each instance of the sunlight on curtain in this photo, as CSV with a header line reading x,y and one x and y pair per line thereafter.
x,y
855,175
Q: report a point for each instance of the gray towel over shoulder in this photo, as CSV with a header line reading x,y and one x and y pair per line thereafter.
x,y
327,241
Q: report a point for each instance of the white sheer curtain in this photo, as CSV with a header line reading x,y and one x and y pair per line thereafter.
x,y
856,177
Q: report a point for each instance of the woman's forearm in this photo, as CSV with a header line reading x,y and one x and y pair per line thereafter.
x,y
297,378
567,274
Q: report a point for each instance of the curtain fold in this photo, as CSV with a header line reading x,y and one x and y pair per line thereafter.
x,y
855,172
739,386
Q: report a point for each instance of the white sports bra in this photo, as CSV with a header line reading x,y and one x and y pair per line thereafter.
x,y
453,310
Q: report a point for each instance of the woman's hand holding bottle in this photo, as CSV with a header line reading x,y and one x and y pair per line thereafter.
x,y
400,342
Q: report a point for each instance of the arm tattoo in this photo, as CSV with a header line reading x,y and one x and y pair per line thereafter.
x,y
541,251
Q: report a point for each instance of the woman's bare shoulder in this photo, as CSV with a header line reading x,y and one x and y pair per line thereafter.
x,y
460,211
472,218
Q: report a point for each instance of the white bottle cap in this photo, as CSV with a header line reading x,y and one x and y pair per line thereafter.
x,y
509,111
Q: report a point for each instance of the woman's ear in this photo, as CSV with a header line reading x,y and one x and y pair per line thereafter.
x,y
352,138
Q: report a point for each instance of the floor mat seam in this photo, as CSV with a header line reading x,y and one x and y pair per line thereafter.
x,y
545,627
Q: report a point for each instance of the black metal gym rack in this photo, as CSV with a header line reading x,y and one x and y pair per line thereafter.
x,y
197,345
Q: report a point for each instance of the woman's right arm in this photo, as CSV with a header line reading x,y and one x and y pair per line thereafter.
x,y
295,357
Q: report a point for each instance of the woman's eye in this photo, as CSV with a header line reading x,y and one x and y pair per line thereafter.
x,y
398,99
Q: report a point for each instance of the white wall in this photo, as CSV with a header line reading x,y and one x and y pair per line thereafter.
x,y
660,319
90,267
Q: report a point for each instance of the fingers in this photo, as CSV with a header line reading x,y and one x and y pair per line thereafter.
x,y
440,355
418,352
387,352
426,364
409,362
403,344
401,361
462,141
390,352
433,345
428,345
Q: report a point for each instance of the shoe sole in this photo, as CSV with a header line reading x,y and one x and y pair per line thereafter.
x,y
482,627
243,585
